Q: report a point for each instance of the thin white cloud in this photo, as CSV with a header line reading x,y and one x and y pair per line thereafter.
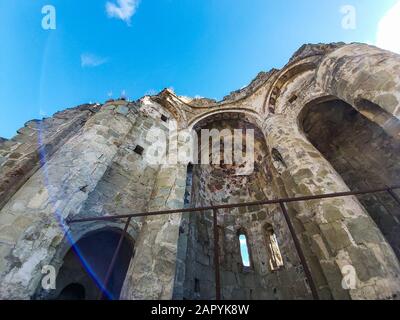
x,y
151,92
388,30
123,10
91,60
42,113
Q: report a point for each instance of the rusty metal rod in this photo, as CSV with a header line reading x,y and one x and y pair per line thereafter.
x,y
237,205
216,256
300,252
114,259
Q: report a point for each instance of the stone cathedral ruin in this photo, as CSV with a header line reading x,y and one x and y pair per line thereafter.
x,y
318,217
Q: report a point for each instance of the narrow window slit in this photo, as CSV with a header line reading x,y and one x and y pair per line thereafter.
x,y
274,253
244,250
293,98
139,150
196,285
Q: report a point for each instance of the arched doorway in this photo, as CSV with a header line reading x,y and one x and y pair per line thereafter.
x,y
363,153
86,264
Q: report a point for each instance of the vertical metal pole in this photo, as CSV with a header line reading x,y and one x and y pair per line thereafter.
x,y
216,256
300,252
114,260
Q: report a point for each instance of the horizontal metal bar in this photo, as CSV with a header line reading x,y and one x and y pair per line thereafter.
x,y
236,205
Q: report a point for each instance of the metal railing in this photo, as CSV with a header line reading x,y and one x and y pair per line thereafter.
x,y
281,202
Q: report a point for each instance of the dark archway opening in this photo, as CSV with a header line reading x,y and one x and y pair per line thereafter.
x,y
363,153
188,188
73,291
86,265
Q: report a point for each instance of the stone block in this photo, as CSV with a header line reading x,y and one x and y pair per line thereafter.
x,y
363,230
335,236
262,215
334,278
365,263
320,248
5,250
331,212
228,279
122,110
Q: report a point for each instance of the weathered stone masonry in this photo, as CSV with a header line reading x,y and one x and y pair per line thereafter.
x,y
326,122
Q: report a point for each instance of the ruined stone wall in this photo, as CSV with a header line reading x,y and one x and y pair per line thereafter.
x,y
363,154
93,167
129,180
220,185
21,156
152,270
334,232
33,219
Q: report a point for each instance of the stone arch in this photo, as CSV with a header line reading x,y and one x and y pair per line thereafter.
x,y
219,184
308,104
256,119
370,110
333,232
287,75
359,72
378,115
85,264
344,135
172,104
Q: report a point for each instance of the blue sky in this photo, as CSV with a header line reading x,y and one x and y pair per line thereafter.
x,y
198,47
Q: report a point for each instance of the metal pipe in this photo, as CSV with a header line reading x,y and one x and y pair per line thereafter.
x,y
216,256
237,205
114,259
300,253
